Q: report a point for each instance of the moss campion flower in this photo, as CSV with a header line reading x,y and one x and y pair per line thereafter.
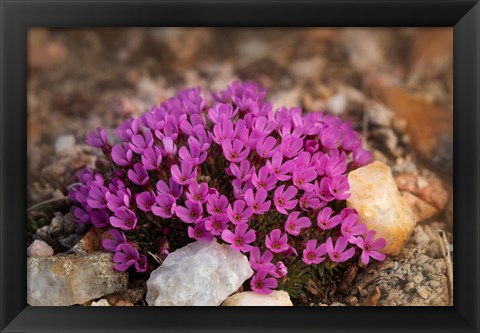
x,y
235,151
370,247
145,201
284,199
351,229
257,200
184,176
113,239
239,213
261,261
234,169
262,284
338,253
125,256
191,213
165,206
241,239
97,138
295,224
124,219
276,242
138,174
313,254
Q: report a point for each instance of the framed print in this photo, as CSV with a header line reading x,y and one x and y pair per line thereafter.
x,y
165,166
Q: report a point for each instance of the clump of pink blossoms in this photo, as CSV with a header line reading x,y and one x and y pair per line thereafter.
x,y
270,183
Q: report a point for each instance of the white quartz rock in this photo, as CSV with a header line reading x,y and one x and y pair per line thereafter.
x,y
380,206
250,298
72,279
198,274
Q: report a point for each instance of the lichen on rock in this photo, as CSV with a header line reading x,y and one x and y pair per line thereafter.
x,y
72,279
411,279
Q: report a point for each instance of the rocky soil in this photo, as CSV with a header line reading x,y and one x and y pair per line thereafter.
x,y
395,85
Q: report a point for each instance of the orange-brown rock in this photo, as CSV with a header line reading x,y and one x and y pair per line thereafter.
x,y
430,129
92,241
421,209
430,190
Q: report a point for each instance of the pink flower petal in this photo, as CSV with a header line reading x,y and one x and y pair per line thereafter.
x,y
249,236
228,236
377,255
365,258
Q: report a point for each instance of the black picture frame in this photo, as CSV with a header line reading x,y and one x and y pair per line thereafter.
x,y
16,16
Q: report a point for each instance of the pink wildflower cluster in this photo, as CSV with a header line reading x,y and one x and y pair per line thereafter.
x,y
271,183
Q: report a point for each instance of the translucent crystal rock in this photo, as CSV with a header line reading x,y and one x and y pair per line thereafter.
x,y
72,279
250,298
198,274
380,206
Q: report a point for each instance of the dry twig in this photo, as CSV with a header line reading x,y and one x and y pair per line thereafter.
x,y
156,258
40,204
446,251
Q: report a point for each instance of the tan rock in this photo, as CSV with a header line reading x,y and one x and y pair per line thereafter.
x,y
250,298
411,279
380,206
427,238
430,190
72,279
421,210
425,123
132,295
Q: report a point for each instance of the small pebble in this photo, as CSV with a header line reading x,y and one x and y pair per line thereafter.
x,y
39,249
102,302
56,225
337,104
351,300
379,115
58,194
81,228
42,233
337,304
434,283
423,292
69,224
409,286
70,241
64,145
417,278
